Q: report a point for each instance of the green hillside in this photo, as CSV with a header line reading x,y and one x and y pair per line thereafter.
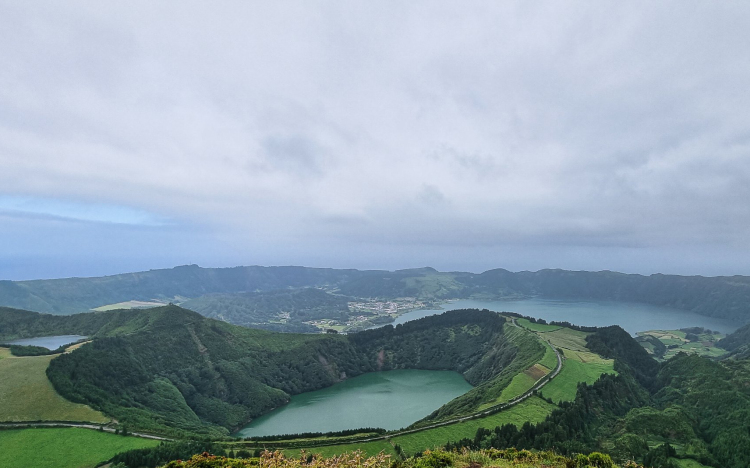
x,y
63,448
27,395
171,370
280,310
725,297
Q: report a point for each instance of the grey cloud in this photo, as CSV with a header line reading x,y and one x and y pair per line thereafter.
x,y
379,126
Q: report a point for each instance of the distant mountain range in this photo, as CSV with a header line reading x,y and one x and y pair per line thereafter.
x,y
725,297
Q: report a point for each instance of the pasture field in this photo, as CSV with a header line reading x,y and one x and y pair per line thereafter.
x,y
533,409
564,386
676,341
27,395
520,384
550,358
568,338
537,327
129,305
63,448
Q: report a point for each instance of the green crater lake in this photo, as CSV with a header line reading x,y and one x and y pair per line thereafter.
x,y
388,399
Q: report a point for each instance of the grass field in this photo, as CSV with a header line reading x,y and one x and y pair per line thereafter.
x,y
129,305
63,448
677,342
537,327
567,338
520,384
564,386
27,395
533,410
550,358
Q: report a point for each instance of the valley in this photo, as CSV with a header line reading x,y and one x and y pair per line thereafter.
x,y
514,372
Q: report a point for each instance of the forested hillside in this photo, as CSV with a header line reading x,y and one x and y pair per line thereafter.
x,y
171,370
724,297
738,342
689,408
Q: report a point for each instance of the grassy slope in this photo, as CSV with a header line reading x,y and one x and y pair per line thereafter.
x,y
563,387
538,327
567,338
549,360
27,395
533,410
705,346
63,448
579,365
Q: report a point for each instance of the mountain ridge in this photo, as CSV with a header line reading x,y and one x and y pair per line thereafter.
x,y
725,297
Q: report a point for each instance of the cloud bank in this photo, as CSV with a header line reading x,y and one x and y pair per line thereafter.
x,y
376,134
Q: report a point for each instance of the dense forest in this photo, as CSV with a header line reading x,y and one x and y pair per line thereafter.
x,y
171,370
725,297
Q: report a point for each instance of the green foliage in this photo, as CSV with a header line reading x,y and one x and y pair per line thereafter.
x,y
615,343
717,396
63,448
21,350
660,457
207,377
630,447
737,342
437,459
431,459
565,385
165,452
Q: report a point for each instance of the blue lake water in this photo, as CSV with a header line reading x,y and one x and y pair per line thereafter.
x,y
49,342
633,317
389,399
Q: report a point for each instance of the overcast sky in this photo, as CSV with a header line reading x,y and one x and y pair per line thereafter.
x,y
460,135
